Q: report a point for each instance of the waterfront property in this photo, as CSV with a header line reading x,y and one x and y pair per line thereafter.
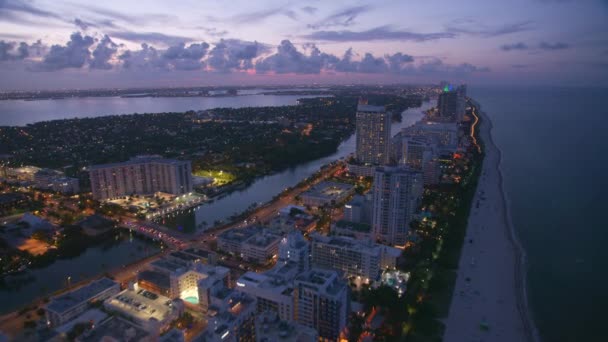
x,y
64,307
326,193
143,175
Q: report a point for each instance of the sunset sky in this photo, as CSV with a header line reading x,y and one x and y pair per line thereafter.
x,y
84,44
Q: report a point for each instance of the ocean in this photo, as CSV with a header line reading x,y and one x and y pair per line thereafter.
x,y
554,162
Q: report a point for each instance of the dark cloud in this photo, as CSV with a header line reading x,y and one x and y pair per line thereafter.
x,y
553,46
73,55
309,9
145,58
345,17
519,66
212,31
257,16
103,53
472,27
176,57
233,54
514,46
288,59
83,25
378,33
182,57
150,37
373,65
11,51
435,66
399,61
23,7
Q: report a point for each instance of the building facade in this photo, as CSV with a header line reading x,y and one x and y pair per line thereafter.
x,y
321,302
353,257
67,306
396,194
373,135
141,175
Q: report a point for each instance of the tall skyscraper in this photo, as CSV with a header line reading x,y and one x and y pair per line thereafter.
x,y
462,102
141,175
448,105
396,194
373,134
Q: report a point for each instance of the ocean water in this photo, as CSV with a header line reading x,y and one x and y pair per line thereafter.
x,y
555,163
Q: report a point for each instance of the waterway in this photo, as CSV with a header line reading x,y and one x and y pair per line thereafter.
x,y
265,188
37,283
21,112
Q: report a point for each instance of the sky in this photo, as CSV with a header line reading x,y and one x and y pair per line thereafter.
x,y
74,44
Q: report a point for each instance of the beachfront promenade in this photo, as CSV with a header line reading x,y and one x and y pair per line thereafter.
x,y
489,301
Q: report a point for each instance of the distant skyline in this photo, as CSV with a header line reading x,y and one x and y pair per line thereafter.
x,y
79,44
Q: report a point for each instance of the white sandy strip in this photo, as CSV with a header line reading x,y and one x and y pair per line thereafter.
x,y
494,265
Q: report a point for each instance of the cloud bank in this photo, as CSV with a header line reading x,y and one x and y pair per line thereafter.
x,y
225,56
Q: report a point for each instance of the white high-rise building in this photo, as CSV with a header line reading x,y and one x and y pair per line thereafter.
x,y
141,175
373,135
295,248
396,194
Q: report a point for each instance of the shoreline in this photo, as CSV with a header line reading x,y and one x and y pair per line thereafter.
x,y
520,270
489,302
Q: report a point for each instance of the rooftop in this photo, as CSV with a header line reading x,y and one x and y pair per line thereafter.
x,y
328,189
239,235
116,328
137,161
160,279
324,281
66,301
269,328
370,108
141,304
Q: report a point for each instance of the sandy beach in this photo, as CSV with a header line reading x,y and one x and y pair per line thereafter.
x,y
490,300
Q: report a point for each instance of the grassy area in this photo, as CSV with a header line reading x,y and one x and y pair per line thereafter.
x,y
220,177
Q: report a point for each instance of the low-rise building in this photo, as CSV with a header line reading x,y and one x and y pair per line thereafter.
x,y
295,248
270,328
359,209
233,322
359,231
326,193
151,311
356,258
116,329
64,307
231,241
272,293
261,247
253,243
177,275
